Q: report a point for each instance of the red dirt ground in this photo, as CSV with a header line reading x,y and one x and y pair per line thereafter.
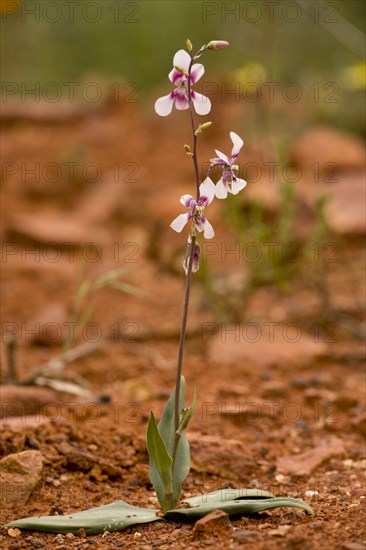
x,y
253,410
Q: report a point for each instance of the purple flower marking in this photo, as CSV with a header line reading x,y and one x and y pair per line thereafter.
x,y
229,182
196,258
196,209
179,96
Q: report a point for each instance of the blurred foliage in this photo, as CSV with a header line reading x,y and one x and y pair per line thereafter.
x,y
277,254
63,41
135,38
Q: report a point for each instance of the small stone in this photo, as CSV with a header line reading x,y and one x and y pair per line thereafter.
x,y
305,463
81,533
311,493
281,531
242,535
70,536
137,535
280,478
20,473
14,532
216,523
36,543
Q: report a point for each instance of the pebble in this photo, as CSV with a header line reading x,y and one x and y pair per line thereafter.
x,y
35,542
281,531
20,473
280,478
311,493
215,523
14,532
242,535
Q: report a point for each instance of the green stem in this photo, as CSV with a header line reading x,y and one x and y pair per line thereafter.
x,y
189,255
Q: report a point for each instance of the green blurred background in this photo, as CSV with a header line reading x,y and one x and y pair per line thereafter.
x,y
279,41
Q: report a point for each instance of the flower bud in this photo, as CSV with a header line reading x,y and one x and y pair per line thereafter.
x,y
217,45
180,70
189,45
188,150
202,127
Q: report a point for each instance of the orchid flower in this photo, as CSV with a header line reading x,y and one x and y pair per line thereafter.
x,y
196,209
228,169
179,96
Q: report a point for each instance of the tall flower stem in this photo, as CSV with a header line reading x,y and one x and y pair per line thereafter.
x,y
189,255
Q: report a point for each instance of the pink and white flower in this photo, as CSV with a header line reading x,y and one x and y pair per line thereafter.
x,y
229,182
179,96
196,211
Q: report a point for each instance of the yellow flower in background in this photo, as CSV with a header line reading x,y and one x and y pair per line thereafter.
x,y
354,76
251,72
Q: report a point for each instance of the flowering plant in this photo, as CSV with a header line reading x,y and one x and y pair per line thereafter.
x,y
167,443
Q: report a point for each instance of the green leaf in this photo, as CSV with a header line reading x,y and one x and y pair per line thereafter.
x,y
235,503
226,495
112,517
162,461
119,514
187,414
129,289
167,430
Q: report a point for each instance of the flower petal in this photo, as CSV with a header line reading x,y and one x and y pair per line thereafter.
x,y
181,102
217,162
164,105
172,74
176,77
208,189
186,200
237,186
179,222
182,59
197,71
202,104
237,145
208,231
222,157
221,190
